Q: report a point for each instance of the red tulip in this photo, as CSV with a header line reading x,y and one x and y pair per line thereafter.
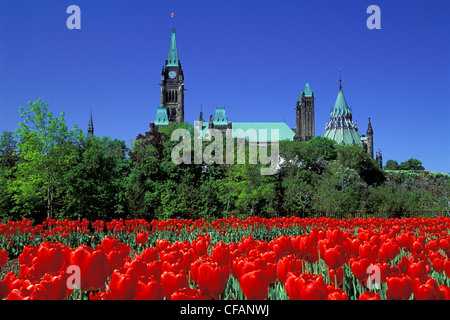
x,y
303,286
359,268
353,247
141,238
187,294
212,279
444,292
369,295
109,244
306,246
55,286
50,256
335,257
313,290
335,236
399,288
282,246
147,288
123,284
201,245
416,269
368,251
433,244
94,267
447,268
336,293
255,285
221,254
438,264
334,274
150,254
388,251
288,264
172,282
162,244
139,266
154,269
425,288
3,257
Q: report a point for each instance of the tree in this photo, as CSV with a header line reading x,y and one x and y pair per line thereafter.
x,y
95,184
8,161
391,165
355,157
47,149
411,164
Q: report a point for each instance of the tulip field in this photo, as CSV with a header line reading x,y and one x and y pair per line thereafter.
x,y
226,259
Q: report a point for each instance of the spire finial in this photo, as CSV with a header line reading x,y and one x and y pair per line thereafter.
x,y
340,79
172,16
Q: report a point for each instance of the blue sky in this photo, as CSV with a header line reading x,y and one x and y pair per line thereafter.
x,y
253,57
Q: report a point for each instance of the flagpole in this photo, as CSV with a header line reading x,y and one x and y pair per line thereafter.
x,y
172,15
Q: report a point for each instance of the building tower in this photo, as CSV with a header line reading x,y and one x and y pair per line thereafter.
x,y
90,131
369,134
379,159
341,127
305,116
172,84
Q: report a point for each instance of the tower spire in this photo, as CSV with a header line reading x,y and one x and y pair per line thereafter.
x,y
340,79
91,126
172,56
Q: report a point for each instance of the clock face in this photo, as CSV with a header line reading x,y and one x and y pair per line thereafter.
x,y
172,74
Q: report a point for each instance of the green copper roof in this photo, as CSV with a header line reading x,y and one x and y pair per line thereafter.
x,y
340,106
161,118
341,128
344,136
307,91
172,56
220,117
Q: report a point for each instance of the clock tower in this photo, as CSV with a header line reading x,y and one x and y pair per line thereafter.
x,y
172,84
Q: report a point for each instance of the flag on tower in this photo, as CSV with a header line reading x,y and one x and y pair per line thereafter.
x,y
172,14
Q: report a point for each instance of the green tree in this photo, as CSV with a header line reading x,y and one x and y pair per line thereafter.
x,y
355,157
48,149
95,184
391,165
411,164
8,161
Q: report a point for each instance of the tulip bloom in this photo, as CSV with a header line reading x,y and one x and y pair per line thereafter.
x,y
94,267
50,256
369,295
3,257
187,294
212,279
425,288
399,288
336,274
335,257
141,238
123,284
148,289
172,282
359,268
302,286
416,270
288,264
255,285
221,254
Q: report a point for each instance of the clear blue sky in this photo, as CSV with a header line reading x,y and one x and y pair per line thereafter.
x,y
253,57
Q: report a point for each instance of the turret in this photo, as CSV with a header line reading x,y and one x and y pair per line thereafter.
x,y
369,139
